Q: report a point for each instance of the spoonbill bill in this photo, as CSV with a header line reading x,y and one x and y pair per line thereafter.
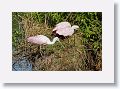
x,y
64,29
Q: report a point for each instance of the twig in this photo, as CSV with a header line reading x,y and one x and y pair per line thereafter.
x,y
68,16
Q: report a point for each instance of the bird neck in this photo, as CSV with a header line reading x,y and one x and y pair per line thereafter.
x,y
73,27
52,42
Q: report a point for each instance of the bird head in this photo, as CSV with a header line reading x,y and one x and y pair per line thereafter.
x,y
75,27
56,38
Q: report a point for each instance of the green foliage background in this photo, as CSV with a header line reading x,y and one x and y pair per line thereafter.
x,y
90,24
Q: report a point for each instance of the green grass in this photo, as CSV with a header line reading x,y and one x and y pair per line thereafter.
x,y
82,52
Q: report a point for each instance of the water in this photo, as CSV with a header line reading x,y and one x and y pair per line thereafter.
x,y
22,64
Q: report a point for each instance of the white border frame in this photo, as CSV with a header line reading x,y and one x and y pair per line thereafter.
x,y
104,76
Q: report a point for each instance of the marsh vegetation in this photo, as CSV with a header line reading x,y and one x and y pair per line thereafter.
x,y
82,51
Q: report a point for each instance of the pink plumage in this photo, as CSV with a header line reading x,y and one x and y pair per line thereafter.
x,y
64,29
62,25
41,39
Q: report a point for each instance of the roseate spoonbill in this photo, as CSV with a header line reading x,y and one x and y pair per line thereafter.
x,y
64,29
62,25
42,40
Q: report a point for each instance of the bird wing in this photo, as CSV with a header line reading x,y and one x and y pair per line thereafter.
x,y
41,39
62,25
65,32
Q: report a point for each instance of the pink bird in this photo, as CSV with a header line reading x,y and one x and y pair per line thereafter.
x,y
62,25
64,29
41,40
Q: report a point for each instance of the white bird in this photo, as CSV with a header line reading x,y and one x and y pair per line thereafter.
x,y
41,40
64,29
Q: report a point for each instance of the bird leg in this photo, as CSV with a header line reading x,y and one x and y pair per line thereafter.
x,y
68,41
40,50
44,50
30,48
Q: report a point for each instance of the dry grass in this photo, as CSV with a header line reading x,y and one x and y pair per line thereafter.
x,y
54,57
73,57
